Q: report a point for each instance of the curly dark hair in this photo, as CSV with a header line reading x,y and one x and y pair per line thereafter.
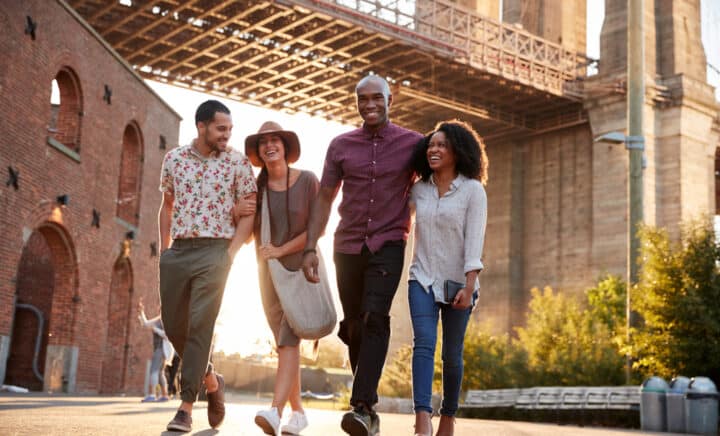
x,y
470,158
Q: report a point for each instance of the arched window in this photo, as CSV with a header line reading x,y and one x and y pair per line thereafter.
x,y
65,110
128,200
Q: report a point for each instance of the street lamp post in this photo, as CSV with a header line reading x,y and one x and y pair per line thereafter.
x,y
635,144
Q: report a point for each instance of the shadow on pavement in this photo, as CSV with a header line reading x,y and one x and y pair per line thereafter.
x,y
54,403
206,432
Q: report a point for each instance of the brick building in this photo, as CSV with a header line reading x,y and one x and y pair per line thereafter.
x,y
83,142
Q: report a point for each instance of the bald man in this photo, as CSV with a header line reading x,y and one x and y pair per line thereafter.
x,y
373,166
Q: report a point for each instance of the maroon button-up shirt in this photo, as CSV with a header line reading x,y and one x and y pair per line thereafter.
x,y
376,175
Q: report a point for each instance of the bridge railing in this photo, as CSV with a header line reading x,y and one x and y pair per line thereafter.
x,y
482,42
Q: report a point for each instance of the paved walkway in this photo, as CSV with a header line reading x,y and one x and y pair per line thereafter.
x,y
55,415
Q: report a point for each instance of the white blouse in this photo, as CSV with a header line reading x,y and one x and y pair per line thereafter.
x,y
449,232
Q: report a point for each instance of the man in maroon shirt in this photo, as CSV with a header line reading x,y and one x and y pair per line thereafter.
x,y
373,165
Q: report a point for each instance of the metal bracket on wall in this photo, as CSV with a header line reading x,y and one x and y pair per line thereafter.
x,y
108,94
30,27
95,219
635,142
13,178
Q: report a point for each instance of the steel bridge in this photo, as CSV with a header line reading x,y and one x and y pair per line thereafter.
x,y
307,55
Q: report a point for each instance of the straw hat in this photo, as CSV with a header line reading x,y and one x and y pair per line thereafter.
x,y
290,139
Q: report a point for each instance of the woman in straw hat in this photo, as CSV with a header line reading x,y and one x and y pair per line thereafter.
x,y
290,194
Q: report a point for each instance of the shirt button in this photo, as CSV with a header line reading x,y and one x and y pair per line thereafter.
x,y
373,162
373,180
372,201
369,220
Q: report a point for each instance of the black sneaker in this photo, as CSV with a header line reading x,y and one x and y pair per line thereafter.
x,y
358,422
181,422
374,423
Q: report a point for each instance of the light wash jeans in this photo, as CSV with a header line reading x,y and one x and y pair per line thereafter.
x,y
157,371
424,312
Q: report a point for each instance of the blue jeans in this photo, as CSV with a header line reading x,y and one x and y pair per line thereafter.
x,y
424,312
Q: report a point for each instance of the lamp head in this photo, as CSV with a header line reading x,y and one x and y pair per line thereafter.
x,y
611,137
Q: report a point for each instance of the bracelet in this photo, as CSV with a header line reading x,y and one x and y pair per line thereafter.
x,y
309,250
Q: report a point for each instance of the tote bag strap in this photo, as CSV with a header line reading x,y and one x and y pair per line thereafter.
x,y
265,219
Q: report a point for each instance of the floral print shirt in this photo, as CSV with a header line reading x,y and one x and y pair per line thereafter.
x,y
205,190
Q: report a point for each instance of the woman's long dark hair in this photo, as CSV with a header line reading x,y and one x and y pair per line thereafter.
x,y
469,149
262,182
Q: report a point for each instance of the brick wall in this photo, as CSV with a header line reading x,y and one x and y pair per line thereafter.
x,y
81,255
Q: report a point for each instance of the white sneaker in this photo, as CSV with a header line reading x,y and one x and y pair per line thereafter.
x,y
268,420
297,423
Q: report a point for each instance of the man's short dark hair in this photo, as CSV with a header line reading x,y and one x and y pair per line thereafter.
x,y
206,111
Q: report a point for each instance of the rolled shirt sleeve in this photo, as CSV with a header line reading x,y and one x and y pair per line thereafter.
x,y
332,171
244,179
166,175
475,222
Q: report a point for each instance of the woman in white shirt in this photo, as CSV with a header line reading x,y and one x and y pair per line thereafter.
x,y
450,215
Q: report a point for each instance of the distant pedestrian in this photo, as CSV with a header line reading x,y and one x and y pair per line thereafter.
x,y
200,182
173,375
162,354
450,207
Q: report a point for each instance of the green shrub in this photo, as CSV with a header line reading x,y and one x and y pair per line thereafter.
x,y
492,361
566,344
396,379
677,299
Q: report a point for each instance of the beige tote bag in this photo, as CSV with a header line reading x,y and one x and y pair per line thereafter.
x,y
308,307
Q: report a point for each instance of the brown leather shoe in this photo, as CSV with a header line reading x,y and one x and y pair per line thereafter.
x,y
181,422
216,404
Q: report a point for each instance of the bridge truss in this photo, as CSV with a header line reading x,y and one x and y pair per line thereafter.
x,y
306,56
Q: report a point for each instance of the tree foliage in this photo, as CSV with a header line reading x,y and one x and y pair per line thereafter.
x,y
492,361
677,299
568,343
396,380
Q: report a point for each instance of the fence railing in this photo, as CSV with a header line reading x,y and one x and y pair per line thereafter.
x,y
576,397
467,36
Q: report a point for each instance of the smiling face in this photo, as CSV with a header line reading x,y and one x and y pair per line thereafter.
x,y
216,132
373,101
271,148
440,153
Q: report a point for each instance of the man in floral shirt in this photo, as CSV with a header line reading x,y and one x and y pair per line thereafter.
x,y
200,183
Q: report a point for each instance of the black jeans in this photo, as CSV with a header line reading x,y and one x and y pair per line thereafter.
x,y
367,283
